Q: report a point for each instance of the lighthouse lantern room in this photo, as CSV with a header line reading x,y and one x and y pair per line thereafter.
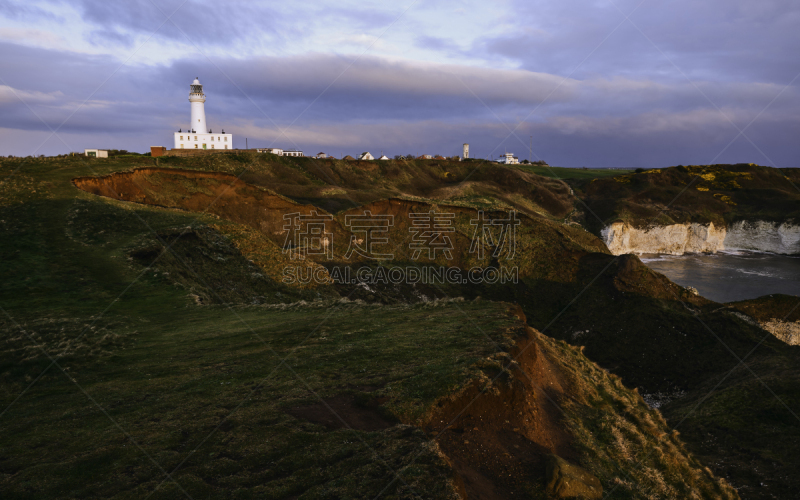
x,y
198,135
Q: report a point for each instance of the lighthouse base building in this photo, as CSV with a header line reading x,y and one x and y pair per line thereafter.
x,y
184,140
198,135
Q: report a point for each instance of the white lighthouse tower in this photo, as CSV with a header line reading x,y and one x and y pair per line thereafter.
x,y
198,135
198,99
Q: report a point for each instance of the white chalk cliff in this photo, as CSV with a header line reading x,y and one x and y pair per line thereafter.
x,y
677,239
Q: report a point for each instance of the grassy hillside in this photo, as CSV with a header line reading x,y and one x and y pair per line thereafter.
x,y
683,353
181,353
336,185
569,173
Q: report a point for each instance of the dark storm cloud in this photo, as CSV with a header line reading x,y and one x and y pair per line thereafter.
x,y
378,89
370,84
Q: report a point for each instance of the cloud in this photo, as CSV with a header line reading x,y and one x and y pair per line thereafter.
x,y
371,84
437,43
202,21
12,95
716,40
345,104
25,11
39,38
104,37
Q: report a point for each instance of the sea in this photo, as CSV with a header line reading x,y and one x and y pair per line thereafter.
x,y
730,276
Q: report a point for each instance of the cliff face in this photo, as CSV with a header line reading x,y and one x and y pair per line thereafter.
x,y
678,239
675,239
701,194
764,236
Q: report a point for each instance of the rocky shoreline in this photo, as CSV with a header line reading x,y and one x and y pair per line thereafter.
x,y
678,239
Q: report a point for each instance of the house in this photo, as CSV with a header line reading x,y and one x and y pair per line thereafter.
x,y
274,151
365,156
321,155
438,157
424,157
383,157
292,152
348,157
508,159
96,153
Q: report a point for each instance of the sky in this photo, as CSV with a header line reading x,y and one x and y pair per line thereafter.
x,y
622,83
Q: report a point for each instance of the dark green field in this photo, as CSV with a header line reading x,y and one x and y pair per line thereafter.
x,y
150,351
570,173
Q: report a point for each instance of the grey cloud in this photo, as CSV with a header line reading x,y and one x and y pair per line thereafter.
x,y
202,21
104,36
396,107
377,89
718,40
376,82
362,18
437,43
22,10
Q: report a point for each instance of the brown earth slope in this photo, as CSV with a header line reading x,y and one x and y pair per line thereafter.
x,y
550,400
540,242
337,185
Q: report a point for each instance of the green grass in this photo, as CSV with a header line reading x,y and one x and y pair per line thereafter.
x,y
172,377
570,173
171,374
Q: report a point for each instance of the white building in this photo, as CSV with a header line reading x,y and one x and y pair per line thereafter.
x,y
198,136
508,159
275,151
365,156
465,151
96,153
280,152
383,157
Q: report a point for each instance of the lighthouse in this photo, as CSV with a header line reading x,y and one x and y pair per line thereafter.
x,y
198,100
198,135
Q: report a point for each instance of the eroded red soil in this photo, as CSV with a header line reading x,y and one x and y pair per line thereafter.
x,y
498,440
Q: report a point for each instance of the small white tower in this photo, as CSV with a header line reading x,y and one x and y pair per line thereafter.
x,y
465,152
198,99
198,136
